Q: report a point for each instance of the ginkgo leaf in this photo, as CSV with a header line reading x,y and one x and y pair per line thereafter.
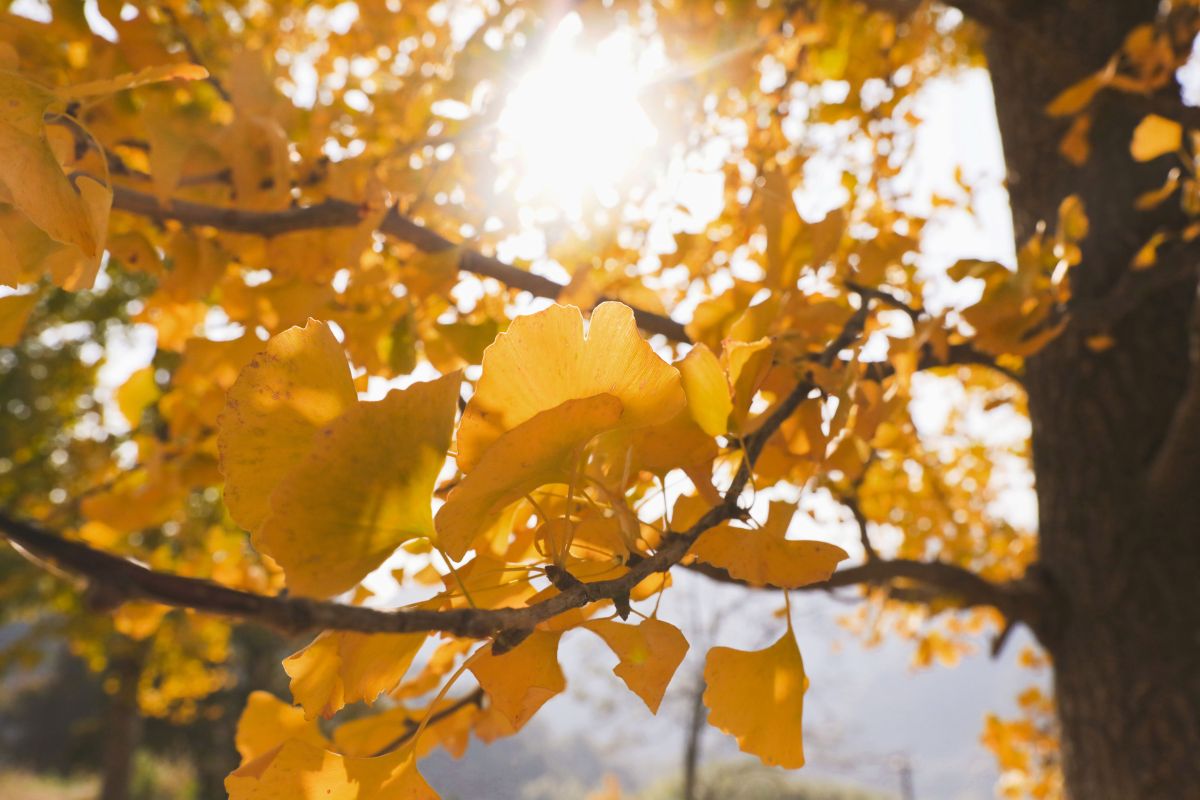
x,y
31,174
139,620
758,698
137,393
520,681
1077,96
267,721
129,80
293,389
70,267
14,313
649,654
747,364
338,668
765,557
544,449
1155,136
707,389
544,359
370,734
364,489
298,770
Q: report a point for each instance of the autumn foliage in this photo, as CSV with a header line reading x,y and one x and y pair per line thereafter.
x,y
358,373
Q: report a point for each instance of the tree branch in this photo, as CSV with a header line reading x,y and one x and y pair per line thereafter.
x,y
411,726
1177,268
333,213
1017,600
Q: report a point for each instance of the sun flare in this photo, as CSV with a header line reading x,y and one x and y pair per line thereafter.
x,y
573,127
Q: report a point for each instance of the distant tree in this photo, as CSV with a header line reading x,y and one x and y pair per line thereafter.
x,y
211,176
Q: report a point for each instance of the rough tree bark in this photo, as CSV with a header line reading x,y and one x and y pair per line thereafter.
x,y
1124,563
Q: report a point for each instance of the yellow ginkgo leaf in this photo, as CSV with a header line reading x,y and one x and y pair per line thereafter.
x,y
129,80
544,449
267,722
747,364
707,389
649,654
1155,136
765,557
31,174
544,359
363,490
293,389
520,681
137,393
1077,96
140,619
370,734
14,313
344,667
758,698
298,770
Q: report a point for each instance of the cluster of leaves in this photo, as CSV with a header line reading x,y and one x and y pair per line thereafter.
x,y
1027,747
273,191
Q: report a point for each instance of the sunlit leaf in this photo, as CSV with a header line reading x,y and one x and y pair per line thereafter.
x,y
520,681
544,359
268,721
338,668
1155,136
289,392
707,390
31,174
649,654
14,313
544,449
298,770
764,557
130,80
758,698
363,489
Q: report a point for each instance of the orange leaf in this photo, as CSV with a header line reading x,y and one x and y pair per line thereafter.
x,y
758,698
1155,136
765,557
649,654
520,681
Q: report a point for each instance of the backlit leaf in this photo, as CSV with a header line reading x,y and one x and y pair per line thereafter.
x,y
520,681
293,389
338,668
544,359
1155,136
298,770
765,557
267,721
14,312
707,389
31,174
758,698
544,449
129,80
649,654
362,491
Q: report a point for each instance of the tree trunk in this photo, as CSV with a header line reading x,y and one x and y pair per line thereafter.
x,y
122,728
691,751
1124,567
